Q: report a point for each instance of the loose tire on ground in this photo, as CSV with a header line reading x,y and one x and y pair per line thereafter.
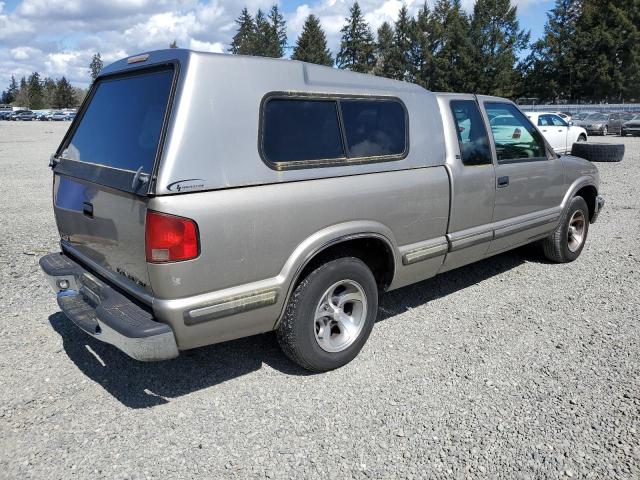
x,y
562,245
598,152
298,333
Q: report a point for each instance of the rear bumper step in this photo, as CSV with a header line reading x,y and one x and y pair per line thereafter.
x,y
106,314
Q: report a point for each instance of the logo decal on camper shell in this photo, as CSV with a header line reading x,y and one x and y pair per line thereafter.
x,y
186,185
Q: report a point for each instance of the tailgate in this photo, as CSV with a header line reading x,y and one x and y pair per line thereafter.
x,y
103,224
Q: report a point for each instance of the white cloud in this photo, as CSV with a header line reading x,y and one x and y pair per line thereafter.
x,y
12,26
24,53
215,47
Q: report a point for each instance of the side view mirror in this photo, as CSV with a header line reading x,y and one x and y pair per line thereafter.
x,y
571,123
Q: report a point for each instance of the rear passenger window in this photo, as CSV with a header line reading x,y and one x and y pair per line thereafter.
x,y
373,128
299,130
332,130
472,133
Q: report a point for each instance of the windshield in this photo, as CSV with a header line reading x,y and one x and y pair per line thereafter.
x,y
597,116
121,126
580,116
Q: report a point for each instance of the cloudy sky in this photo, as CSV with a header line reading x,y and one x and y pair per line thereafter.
x,y
58,37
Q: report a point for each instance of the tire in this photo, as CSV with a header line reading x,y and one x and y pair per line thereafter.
x,y
565,244
598,152
582,138
605,131
300,333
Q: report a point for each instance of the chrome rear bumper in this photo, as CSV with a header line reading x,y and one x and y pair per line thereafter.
x,y
105,313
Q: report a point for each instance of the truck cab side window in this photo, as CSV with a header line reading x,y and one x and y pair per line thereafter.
x,y
472,133
514,135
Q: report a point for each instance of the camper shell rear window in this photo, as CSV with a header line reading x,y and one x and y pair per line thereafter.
x,y
120,127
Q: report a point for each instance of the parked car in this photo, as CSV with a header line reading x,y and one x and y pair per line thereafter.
x,y
560,134
578,118
57,116
602,123
23,115
292,205
42,116
4,115
631,126
69,115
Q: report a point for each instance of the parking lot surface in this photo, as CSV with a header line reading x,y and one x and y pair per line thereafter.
x,y
512,367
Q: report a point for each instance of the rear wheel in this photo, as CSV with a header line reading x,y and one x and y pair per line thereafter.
x,y
566,243
330,315
582,138
605,131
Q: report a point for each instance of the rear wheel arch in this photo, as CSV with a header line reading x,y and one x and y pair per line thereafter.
x,y
589,193
375,250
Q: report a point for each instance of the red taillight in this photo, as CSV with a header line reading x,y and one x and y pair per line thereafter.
x,y
169,238
516,133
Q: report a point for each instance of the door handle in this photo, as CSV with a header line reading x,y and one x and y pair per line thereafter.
x,y
503,181
87,209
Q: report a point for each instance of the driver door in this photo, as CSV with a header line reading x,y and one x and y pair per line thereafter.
x,y
529,180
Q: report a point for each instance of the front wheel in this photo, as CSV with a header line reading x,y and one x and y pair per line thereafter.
x,y
567,241
330,315
605,131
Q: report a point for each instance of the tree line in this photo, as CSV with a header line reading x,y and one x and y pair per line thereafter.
x,y
37,93
590,49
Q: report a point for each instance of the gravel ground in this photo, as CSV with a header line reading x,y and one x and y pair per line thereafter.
x,y
512,367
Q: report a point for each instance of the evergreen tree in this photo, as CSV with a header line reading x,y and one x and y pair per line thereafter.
x,y
95,66
78,96
549,70
64,94
260,35
49,88
607,56
173,44
357,45
275,34
400,59
22,97
35,93
384,51
9,96
452,62
496,40
424,34
243,42
312,44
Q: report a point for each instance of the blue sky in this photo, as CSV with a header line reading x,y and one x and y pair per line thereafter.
x,y
58,37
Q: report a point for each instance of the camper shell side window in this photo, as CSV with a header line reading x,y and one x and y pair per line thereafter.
x,y
316,130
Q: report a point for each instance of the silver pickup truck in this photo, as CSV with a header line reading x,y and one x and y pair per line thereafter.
x,y
201,198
